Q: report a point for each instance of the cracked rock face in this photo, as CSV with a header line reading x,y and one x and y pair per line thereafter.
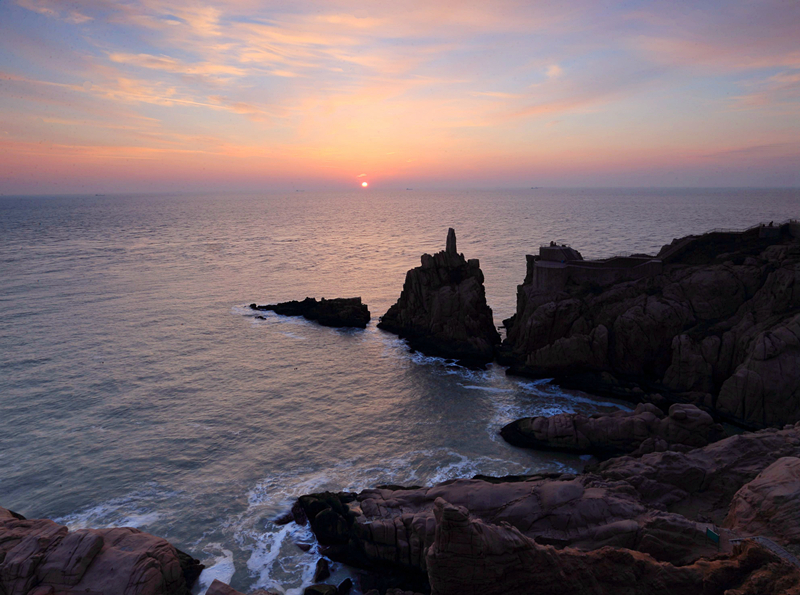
x,y
719,326
43,557
442,309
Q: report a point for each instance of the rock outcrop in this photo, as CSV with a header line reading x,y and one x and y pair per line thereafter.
x,y
338,312
472,557
719,325
40,557
770,504
660,504
646,429
442,309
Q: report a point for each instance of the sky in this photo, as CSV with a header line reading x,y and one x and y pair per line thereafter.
x,y
163,96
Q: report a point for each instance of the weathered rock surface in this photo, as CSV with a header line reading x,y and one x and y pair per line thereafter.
x,y
659,504
702,483
719,326
472,557
42,556
770,504
442,309
338,312
646,429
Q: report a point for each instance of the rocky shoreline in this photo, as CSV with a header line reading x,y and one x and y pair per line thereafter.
x,y
664,522
708,329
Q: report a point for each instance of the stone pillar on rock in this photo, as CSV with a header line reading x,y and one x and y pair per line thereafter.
x,y
442,310
450,246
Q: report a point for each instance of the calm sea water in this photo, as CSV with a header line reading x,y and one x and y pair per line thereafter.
x,y
137,389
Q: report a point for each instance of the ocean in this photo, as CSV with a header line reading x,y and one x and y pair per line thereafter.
x,y
137,388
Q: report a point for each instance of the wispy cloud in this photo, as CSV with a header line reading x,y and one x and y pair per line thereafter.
x,y
373,87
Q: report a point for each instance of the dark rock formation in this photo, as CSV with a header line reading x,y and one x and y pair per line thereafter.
x,y
321,590
322,570
718,326
442,309
660,504
646,429
42,556
338,312
472,557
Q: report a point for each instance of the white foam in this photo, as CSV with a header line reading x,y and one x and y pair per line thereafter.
x,y
140,520
487,389
222,569
278,549
138,509
293,336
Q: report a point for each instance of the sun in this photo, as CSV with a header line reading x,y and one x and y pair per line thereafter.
x,y
364,184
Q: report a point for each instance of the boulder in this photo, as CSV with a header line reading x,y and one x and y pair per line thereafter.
x,y
769,505
321,571
646,429
442,309
40,554
717,322
338,312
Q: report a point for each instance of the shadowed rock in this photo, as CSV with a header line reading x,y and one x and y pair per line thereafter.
x,y
718,326
338,312
646,429
43,555
770,504
442,309
472,557
659,504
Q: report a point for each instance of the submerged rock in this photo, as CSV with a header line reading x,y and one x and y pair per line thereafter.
x,y
44,556
714,320
646,429
442,309
338,312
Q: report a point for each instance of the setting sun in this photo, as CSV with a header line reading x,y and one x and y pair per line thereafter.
x,y
364,184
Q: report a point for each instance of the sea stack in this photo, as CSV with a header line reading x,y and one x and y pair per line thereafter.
x,y
442,309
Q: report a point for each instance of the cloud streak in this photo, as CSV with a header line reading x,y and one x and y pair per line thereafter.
x,y
414,89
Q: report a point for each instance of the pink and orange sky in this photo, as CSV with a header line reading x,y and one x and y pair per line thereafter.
x,y
151,95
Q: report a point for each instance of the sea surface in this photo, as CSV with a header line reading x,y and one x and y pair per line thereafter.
x,y
137,388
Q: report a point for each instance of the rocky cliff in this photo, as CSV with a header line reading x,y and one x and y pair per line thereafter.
x,y
442,309
719,326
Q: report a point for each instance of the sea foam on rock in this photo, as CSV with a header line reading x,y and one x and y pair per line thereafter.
x,y
442,310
